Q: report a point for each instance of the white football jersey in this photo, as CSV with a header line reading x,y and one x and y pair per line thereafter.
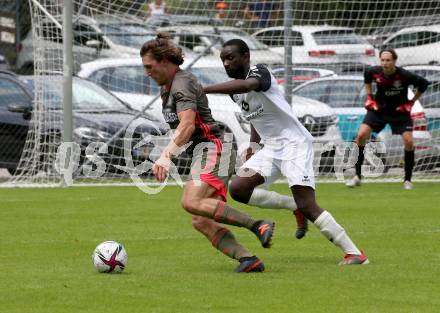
x,y
269,113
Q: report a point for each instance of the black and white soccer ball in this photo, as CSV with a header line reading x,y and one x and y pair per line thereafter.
x,y
110,257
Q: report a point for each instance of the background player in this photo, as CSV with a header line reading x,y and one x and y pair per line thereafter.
x,y
390,105
288,148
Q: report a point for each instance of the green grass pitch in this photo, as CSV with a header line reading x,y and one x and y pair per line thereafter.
x,y
47,237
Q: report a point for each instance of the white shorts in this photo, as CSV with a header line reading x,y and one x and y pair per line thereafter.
x,y
297,167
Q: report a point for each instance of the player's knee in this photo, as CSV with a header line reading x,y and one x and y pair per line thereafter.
x,y
409,145
189,204
306,204
361,138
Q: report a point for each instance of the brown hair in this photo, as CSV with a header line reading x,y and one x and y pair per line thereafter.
x,y
163,48
390,50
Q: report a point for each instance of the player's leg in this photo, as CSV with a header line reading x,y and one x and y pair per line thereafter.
x,y
223,240
364,133
327,225
267,199
218,210
408,142
299,172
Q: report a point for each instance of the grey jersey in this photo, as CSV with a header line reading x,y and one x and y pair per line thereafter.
x,y
187,94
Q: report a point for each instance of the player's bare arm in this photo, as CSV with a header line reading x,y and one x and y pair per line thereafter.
x,y
181,136
234,86
369,89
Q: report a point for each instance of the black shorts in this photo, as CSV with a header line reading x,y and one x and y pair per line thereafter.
x,y
399,122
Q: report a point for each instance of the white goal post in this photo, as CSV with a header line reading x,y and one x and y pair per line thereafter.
x,y
316,49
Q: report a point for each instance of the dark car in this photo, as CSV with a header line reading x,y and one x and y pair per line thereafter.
x,y
98,116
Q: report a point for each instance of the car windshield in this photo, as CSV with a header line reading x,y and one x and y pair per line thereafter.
x,y
338,37
86,95
210,75
253,43
127,34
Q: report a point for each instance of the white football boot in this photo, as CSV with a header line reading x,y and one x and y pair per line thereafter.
x,y
407,185
354,182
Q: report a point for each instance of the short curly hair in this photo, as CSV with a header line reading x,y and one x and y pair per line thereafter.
x,y
163,48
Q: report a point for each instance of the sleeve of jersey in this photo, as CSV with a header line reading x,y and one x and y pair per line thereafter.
x,y
262,74
368,76
184,94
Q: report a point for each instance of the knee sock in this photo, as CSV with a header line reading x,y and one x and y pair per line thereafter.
x,y
409,164
271,200
227,215
225,242
359,161
335,233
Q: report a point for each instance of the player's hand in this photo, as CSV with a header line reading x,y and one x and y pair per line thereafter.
x,y
247,154
161,168
406,107
371,104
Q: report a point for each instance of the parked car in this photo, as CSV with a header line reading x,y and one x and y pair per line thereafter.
x,y
98,115
4,65
198,38
380,34
301,74
320,45
101,36
346,95
416,45
127,80
156,21
431,97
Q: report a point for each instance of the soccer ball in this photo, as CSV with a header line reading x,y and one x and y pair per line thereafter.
x,y
109,257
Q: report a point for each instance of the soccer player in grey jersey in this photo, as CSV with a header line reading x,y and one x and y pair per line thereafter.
x,y
185,108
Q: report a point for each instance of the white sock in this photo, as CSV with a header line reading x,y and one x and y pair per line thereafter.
x,y
271,200
335,233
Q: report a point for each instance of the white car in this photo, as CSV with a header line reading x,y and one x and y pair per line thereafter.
x,y
380,34
416,45
101,36
320,44
126,79
302,74
198,38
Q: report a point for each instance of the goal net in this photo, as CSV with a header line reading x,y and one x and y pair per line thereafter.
x,y
118,128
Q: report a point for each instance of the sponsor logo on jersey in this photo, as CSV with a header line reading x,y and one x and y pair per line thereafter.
x,y
170,117
397,84
392,93
258,111
244,106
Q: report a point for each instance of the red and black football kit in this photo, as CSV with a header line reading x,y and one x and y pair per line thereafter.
x,y
391,93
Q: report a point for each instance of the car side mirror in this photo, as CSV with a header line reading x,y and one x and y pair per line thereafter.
x,y
94,44
20,108
201,50
17,108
